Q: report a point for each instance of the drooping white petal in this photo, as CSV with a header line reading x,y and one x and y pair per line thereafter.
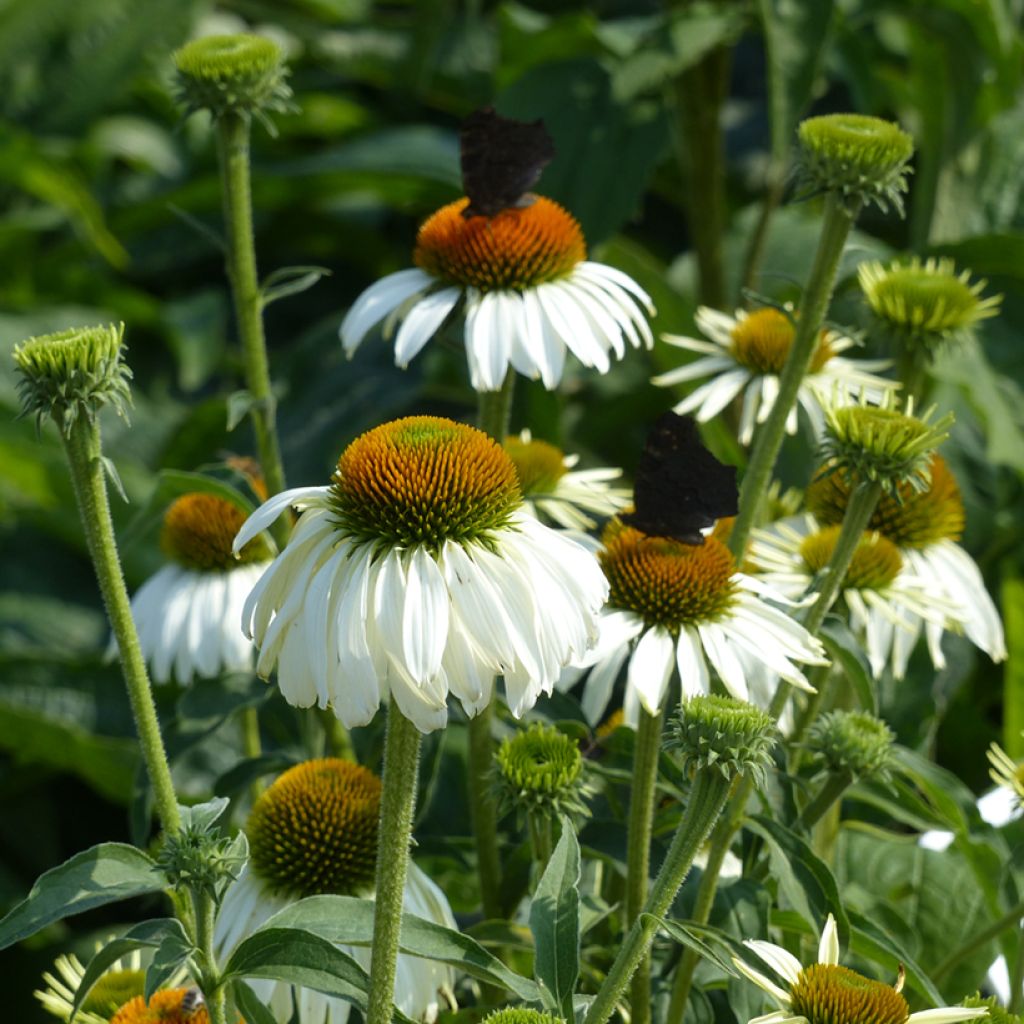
x,y
762,981
947,1014
650,668
421,323
780,959
380,299
259,520
693,669
598,688
425,616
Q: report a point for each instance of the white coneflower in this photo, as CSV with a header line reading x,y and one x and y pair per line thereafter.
x,y
746,355
187,613
314,832
881,594
528,291
687,607
123,980
552,486
417,574
925,525
826,993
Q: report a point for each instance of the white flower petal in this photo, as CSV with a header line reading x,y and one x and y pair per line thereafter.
x,y
380,299
421,323
270,510
650,668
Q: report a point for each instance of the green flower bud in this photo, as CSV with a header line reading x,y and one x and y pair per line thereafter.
x,y
520,1015
239,74
863,159
923,305
865,442
720,734
198,857
997,1013
73,374
540,771
851,742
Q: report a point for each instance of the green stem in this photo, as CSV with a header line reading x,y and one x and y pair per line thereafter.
x,y
832,790
707,798
838,219
213,992
818,678
1017,979
82,445
1011,919
483,813
494,410
701,915
912,365
638,847
251,745
337,741
541,843
233,153
398,797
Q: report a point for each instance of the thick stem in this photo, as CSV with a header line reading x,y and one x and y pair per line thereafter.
x,y
838,219
82,446
233,152
541,843
214,993
494,409
398,798
483,813
638,848
912,367
1011,919
707,797
832,790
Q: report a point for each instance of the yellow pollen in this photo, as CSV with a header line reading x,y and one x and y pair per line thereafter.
x,y
198,532
664,582
539,465
517,248
314,831
164,1008
910,519
761,341
424,480
876,561
830,994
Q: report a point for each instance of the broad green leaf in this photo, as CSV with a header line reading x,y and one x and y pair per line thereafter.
x,y
302,958
873,943
235,779
249,1005
349,921
795,34
171,956
848,656
1013,674
149,934
942,789
802,875
104,874
555,922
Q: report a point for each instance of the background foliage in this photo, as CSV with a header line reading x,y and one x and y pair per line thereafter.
x,y
111,212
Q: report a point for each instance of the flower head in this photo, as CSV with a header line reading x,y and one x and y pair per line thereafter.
x,y
882,596
852,743
122,981
417,573
862,159
827,993
72,374
924,304
723,735
746,354
314,832
687,607
566,496
925,525
540,770
528,291
187,612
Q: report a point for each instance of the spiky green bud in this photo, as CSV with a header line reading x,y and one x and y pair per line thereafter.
x,y
924,304
879,443
540,771
723,735
199,857
239,74
72,374
851,742
520,1015
863,159
997,1013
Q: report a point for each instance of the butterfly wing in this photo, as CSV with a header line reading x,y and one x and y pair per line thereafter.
x,y
501,160
681,488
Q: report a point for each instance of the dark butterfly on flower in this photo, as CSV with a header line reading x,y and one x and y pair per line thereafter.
x,y
502,160
681,488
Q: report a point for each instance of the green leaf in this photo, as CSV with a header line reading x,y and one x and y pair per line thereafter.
x,y
555,923
848,655
1013,674
103,874
249,1005
349,921
146,935
218,698
290,281
171,956
802,875
237,778
299,957
794,34
110,472
707,942
873,943
239,405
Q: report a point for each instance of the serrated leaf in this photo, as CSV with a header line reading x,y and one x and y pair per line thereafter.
x,y
349,921
146,935
290,281
555,922
103,874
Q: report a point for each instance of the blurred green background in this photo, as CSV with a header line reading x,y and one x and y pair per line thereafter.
x,y
111,211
